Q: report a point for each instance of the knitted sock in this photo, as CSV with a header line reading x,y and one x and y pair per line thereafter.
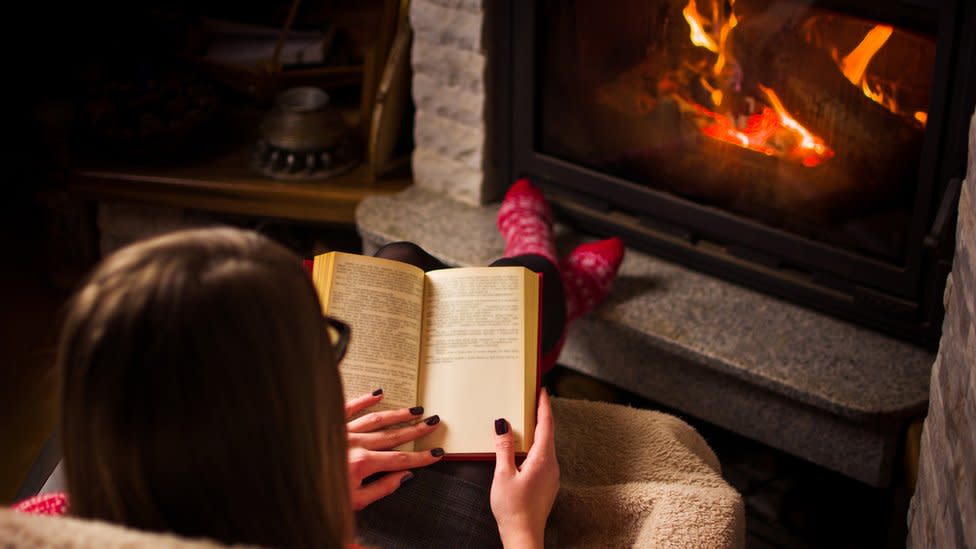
x,y
525,222
588,273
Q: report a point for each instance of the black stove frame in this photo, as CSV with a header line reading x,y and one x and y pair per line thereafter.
x,y
904,300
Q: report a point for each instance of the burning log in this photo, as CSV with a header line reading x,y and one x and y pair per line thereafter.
x,y
763,186
875,145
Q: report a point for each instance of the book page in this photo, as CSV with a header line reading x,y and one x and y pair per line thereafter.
x,y
381,300
479,359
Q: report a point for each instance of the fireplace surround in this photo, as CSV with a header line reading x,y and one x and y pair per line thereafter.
x,y
818,387
614,113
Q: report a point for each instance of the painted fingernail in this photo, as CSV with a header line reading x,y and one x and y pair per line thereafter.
x,y
406,477
377,392
437,452
501,426
433,420
417,410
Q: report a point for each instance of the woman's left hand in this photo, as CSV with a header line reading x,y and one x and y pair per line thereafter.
x,y
371,448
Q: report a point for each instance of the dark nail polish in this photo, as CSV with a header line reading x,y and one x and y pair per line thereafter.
x,y
501,426
437,452
417,410
377,392
406,477
433,420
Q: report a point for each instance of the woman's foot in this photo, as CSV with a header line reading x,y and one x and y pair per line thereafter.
x,y
588,273
525,222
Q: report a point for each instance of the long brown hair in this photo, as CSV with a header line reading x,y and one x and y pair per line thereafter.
x,y
200,397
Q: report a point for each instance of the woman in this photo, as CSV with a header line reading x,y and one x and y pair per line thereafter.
x,y
201,397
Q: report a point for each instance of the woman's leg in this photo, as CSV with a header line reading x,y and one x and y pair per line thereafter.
x,y
421,507
553,297
445,504
585,275
408,252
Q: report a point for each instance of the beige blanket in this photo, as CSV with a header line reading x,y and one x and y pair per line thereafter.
x,y
638,478
630,478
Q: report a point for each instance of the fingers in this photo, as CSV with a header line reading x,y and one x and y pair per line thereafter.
x,y
378,420
391,438
544,445
504,449
364,463
379,489
360,403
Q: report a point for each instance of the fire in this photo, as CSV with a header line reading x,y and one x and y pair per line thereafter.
x,y
768,129
723,39
698,35
855,64
814,147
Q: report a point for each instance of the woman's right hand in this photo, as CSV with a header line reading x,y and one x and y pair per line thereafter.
x,y
372,441
522,497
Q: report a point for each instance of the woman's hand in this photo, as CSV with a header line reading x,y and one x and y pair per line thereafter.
x,y
371,448
521,497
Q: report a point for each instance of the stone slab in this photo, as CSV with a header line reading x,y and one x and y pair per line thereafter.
x,y
809,384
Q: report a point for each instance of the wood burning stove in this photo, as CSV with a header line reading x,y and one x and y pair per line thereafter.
x,y
809,148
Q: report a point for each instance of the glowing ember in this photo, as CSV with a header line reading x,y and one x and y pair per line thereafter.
x,y
814,147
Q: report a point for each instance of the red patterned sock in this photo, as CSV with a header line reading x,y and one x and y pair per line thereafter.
x,y
525,222
53,503
588,274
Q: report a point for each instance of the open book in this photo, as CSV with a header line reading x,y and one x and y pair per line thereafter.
x,y
462,342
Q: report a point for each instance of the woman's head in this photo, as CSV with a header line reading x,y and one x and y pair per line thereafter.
x,y
199,394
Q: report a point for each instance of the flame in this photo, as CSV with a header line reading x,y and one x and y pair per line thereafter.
x,y
855,64
716,93
922,117
723,38
698,35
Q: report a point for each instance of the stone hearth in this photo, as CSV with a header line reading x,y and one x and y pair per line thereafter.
x,y
814,386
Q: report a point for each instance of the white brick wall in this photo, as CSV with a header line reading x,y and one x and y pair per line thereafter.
x,y
448,62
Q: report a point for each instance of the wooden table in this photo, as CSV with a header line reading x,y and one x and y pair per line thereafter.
x,y
224,183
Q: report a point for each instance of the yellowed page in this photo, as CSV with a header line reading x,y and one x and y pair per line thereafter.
x,y
381,300
479,358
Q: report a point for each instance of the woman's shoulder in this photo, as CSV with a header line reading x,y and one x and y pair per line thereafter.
x,y
55,503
